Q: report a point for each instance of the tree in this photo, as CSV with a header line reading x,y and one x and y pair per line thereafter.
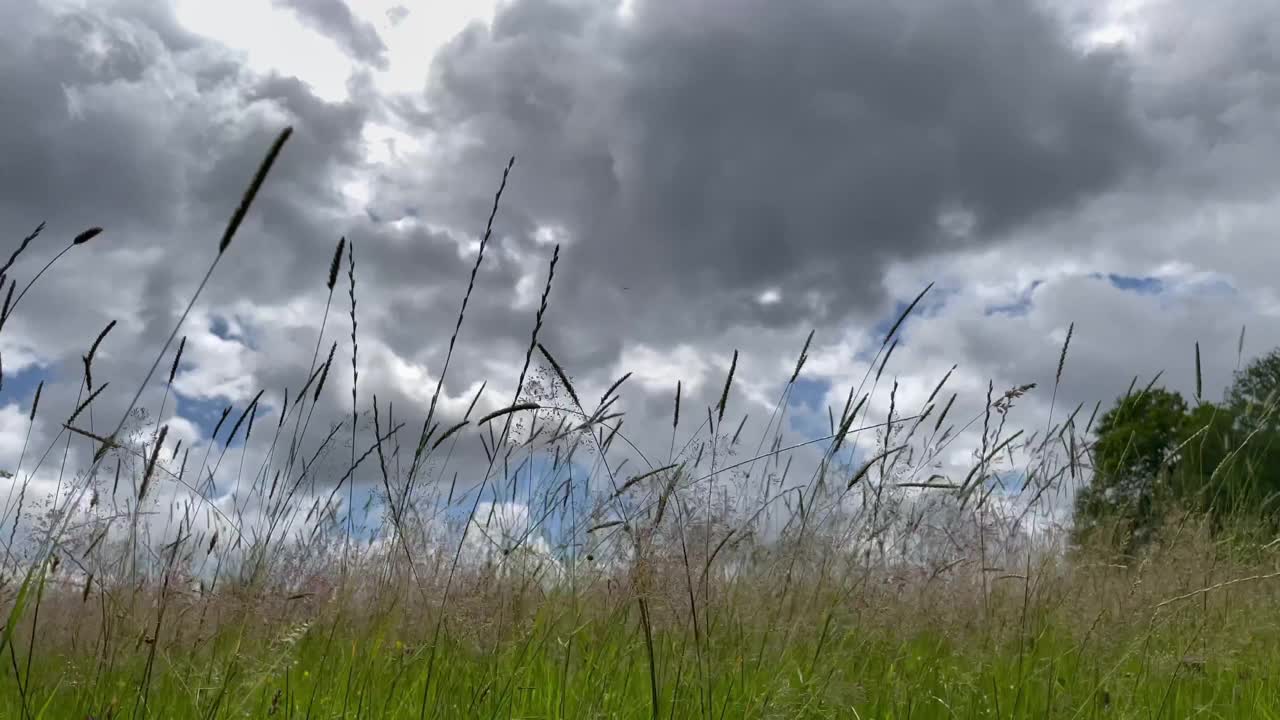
x,y
1254,389
1135,440
1153,455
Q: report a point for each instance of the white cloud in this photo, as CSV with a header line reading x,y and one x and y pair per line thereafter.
x,y
271,39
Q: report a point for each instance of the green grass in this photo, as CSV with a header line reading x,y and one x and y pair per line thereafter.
x,y
553,661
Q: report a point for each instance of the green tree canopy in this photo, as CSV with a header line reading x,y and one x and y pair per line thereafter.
x,y
1154,455
1134,439
1257,382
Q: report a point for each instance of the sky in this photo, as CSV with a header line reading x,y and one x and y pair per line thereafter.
x,y
719,175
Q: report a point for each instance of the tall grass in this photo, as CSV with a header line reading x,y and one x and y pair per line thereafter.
x,y
576,574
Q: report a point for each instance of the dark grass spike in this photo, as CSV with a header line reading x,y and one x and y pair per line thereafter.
x,y
728,383
1199,382
225,412
1150,385
86,236
151,464
639,478
941,382
848,400
254,186
986,416
78,240
324,373
800,361
1069,423
604,526
284,409
177,358
928,410
905,313
982,463
841,434
35,402
424,436
612,388
675,421
738,432
861,402
93,396
21,247
885,361
4,316
307,385
604,447
862,472
466,297
1062,358
938,425
508,410
335,263
888,432
846,423
1092,416
354,466
253,414
93,350
475,400
355,346
275,482
533,336
564,379
244,414
8,299
665,496
355,384
448,433
1129,392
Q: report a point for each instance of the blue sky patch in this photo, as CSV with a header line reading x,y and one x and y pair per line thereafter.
x,y
20,387
1018,307
809,393
929,306
1146,285
808,418
203,413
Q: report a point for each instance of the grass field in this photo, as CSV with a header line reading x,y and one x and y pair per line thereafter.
x,y
718,580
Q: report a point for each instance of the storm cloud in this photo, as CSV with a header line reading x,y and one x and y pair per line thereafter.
x,y
697,155
334,19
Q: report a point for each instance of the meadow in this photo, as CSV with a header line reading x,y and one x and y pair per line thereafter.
x,y
723,577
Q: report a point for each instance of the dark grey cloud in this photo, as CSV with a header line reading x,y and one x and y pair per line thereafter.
x,y
115,116
334,19
701,153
